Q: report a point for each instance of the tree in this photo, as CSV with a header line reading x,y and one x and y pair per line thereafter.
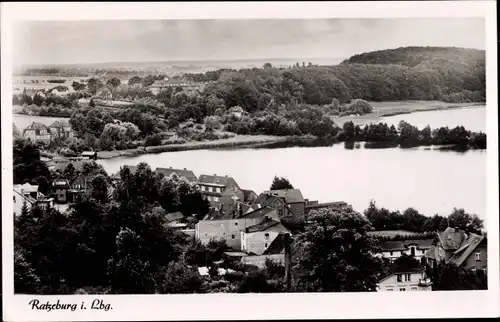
x,y
134,80
449,277
470,223
100,188
114,82
337,255
179,278
280,183
38,99
27,163
268,65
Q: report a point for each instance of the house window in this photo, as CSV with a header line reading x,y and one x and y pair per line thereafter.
x,y
399,278
265,245
14,198
478,256
233,236
214,189
402,289
216,199
391,253
266,235
423,251
407,277
236,223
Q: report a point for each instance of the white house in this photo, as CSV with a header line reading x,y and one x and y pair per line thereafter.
x,y
405,280
393,249
257,238
25,193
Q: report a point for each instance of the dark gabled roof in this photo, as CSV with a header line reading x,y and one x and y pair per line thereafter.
x,y
234,209
174,216
259,212
216,214
290,195
214,180
277,245
468,246
188,174
36,126
264,200
452,238
393,245
263,226
61,123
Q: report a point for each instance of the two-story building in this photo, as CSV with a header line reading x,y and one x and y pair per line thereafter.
x,y
61,129
183,173
405,280
257,238
293,199
221,191
457,247
220,225
59,189
24,194
37,132
276,202
393,249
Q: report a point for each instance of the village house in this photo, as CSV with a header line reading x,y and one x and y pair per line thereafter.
x,y
24,193
275,202
393,249
187,174
275,252
61,129
188,88
405,280
457,247
257,238
37,132
219,225
81,184
58,190
293,199
220,191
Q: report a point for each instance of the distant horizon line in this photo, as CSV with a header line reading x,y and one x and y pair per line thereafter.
x,y
298,59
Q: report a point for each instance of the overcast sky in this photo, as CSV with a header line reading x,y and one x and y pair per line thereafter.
x,y
164,40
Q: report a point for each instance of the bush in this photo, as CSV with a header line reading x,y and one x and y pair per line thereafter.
x,y
153,140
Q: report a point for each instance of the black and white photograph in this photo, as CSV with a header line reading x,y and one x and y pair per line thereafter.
x,y
167,156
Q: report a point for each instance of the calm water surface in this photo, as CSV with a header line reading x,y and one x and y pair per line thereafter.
x,y
431,181
473,118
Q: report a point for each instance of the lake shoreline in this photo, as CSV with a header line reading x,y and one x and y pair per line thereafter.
x,y
385,110
246,141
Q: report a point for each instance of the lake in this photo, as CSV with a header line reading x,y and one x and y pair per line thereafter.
x,y
22,121
472,118
431,181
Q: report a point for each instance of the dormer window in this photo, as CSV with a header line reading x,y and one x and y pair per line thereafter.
x,y
478,256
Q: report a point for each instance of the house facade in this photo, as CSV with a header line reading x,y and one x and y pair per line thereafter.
x,y
256,239
221,191
394,249
61,129
457,247
405,281
24,194
275,252
37,132
275,202
59,189
293,199
229,227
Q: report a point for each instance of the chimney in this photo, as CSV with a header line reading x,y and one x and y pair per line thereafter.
x,y
240,210
288,262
